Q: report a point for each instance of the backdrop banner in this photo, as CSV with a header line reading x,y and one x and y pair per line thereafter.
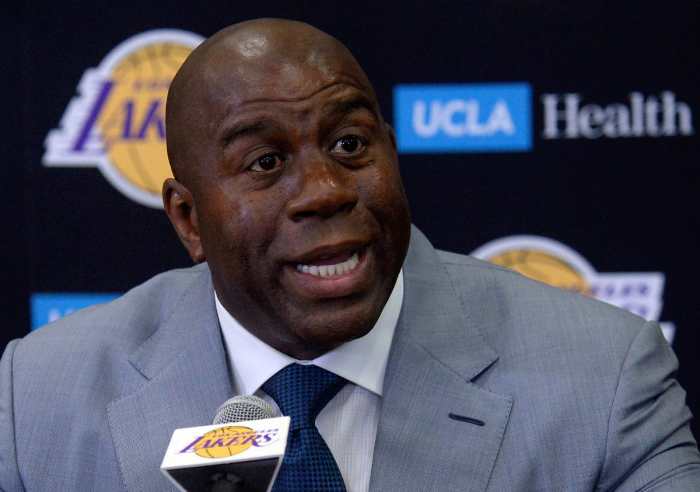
x,y
557,140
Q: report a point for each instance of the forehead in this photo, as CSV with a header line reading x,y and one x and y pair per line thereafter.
x,y
238,77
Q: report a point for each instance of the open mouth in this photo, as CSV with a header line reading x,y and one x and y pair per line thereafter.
x,y
332,272
331,267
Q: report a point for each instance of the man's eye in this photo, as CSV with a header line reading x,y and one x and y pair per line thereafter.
x,y
349,144
266,163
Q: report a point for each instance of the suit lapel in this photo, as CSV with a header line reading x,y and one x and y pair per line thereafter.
x,y
187,377
435,356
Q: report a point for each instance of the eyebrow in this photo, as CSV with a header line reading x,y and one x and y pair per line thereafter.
x,y
336,109
243,129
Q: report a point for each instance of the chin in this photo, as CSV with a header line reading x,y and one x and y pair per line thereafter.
x,y
325,332
324,324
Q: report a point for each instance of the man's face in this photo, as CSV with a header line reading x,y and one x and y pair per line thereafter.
x,y
299,204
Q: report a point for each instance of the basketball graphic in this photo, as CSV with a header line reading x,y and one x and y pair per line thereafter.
x,y
225,442
132,123
117,122
543,266
556,264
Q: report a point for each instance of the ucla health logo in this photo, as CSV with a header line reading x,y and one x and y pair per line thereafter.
x,y
463,118
117,121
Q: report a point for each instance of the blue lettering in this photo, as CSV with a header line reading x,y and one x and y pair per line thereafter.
x,y
155,118
191,445
92,118
128,117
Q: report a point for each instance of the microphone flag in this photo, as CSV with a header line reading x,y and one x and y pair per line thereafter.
x,y
248,451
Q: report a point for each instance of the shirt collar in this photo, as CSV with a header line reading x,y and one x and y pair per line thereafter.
x,y
361,361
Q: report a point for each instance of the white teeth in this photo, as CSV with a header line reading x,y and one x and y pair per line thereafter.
x,y
330,270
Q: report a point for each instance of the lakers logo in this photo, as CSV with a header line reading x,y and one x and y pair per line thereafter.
x,y
228,441
544,267
117,121
224,442
556,264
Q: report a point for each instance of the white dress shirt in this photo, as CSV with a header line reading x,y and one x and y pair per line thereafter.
x,y
348,423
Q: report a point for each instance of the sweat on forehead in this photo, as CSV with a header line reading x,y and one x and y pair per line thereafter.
x,y
252,60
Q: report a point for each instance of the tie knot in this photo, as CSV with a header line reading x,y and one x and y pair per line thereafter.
x,y
301,392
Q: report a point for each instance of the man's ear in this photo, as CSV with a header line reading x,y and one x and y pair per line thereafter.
x,y
182,212
392,134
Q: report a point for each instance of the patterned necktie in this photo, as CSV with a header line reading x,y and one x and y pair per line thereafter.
x,y
301,392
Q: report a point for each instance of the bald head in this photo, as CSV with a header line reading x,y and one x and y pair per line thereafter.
x,y
247,62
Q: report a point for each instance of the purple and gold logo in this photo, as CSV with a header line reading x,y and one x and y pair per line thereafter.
x,y
556,264
229,441
117,121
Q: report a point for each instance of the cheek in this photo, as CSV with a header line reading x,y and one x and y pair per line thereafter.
x,y
386,197
386,202
223,228
246,226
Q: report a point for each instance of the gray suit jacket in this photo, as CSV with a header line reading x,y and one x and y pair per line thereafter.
x,y
494,382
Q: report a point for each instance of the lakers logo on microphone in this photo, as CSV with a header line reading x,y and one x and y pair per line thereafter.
x,y
116,122
229,441
556,264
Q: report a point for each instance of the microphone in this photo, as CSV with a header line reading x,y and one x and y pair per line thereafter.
x,y
221,457
243,407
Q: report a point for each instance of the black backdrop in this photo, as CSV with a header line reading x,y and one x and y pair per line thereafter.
x,y
624,204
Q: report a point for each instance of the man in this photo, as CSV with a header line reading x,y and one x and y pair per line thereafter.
x,y
456,374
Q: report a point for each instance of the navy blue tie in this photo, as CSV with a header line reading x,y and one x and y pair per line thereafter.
x,y
301,392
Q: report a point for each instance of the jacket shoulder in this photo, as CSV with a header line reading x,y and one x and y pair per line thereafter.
x,y
520,315
119,325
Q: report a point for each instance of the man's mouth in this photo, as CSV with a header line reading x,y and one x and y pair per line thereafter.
x,y
332,271
330,267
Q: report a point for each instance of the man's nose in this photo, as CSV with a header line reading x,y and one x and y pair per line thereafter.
x,y
325,188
